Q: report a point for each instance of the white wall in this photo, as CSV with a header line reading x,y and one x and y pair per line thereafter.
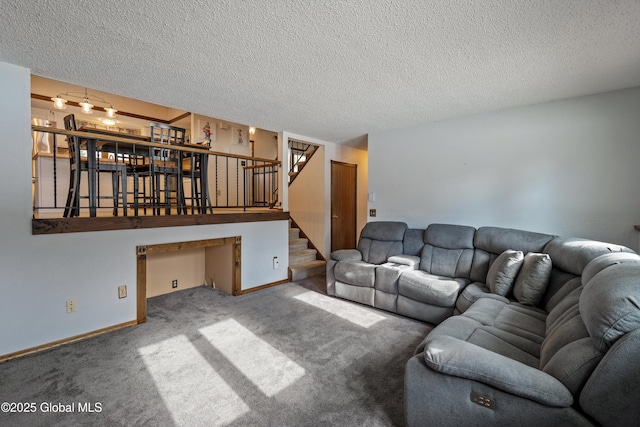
x,y
39,273
309,197
569,167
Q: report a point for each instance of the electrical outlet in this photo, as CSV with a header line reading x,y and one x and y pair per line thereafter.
x,y
372,212
276,262
122,291
71,306
174,283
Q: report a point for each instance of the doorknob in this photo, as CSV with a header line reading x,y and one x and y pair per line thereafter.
x,y
334,216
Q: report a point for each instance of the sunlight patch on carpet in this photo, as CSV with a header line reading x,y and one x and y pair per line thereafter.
x,y
266,367
346,310
191,389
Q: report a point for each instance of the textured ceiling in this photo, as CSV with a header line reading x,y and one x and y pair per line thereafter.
x,y
334,70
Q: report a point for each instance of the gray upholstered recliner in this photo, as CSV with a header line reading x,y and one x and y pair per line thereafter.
x,y
570,361
429,293
351,272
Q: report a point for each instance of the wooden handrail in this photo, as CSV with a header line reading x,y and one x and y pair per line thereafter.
x,y
116,139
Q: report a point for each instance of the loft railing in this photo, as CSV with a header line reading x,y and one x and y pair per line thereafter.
x,y
299,155
233,181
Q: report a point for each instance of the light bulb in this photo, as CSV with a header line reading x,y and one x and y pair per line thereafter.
x,y
252,130
86,107
59,103
111,112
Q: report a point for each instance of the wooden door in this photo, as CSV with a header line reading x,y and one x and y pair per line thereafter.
x,y
343,205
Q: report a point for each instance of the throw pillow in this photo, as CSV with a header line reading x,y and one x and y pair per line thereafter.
x,y
532,280
503,272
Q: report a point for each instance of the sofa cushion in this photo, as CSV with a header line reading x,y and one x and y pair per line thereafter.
x,y
491,338
358,273
413,241
387,274
431,289
378,251
608,311
459,358
449,236
496,240
473,293
574,363
572,254
346,255
448,250
503,272
380,240
524,321
532,279
408,260
598,264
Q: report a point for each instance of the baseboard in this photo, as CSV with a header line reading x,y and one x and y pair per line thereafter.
x,y
259,288
53,344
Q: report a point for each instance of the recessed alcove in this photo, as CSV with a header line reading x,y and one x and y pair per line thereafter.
x,y
214,262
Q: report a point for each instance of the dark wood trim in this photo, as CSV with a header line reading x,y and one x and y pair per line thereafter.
x,y
351,165
98,108
83,224
236,275
190,244
180,117
259,288
304,236
141,265
53,344
141,284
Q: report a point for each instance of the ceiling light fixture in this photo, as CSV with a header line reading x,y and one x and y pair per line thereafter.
x,y
252,130
59,102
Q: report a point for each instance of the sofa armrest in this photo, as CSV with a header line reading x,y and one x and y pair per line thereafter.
x,y
462,359
346,255
409,260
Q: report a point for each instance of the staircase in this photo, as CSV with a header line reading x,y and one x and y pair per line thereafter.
x,y
300,155
303,260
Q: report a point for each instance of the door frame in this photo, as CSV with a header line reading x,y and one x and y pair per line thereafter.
x,y
355,204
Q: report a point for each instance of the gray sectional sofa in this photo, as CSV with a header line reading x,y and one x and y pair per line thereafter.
x,y
531,329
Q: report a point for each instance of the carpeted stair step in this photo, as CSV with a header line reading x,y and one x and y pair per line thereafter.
x,y
294,233
299,244
308,269
301,257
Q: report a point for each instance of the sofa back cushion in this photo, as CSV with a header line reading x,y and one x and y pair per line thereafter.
x,y
448,250
492,241
381,240
572,254
570,257
567,352
610,311
413,241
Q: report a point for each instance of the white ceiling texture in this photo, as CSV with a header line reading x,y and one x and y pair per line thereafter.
x,y
333,70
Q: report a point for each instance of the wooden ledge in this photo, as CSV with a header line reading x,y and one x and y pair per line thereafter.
x,y
84,224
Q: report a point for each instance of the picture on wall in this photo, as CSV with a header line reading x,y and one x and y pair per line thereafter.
x,y
239,137
206,133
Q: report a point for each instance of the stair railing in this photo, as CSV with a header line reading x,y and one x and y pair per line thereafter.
x,y
299,155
